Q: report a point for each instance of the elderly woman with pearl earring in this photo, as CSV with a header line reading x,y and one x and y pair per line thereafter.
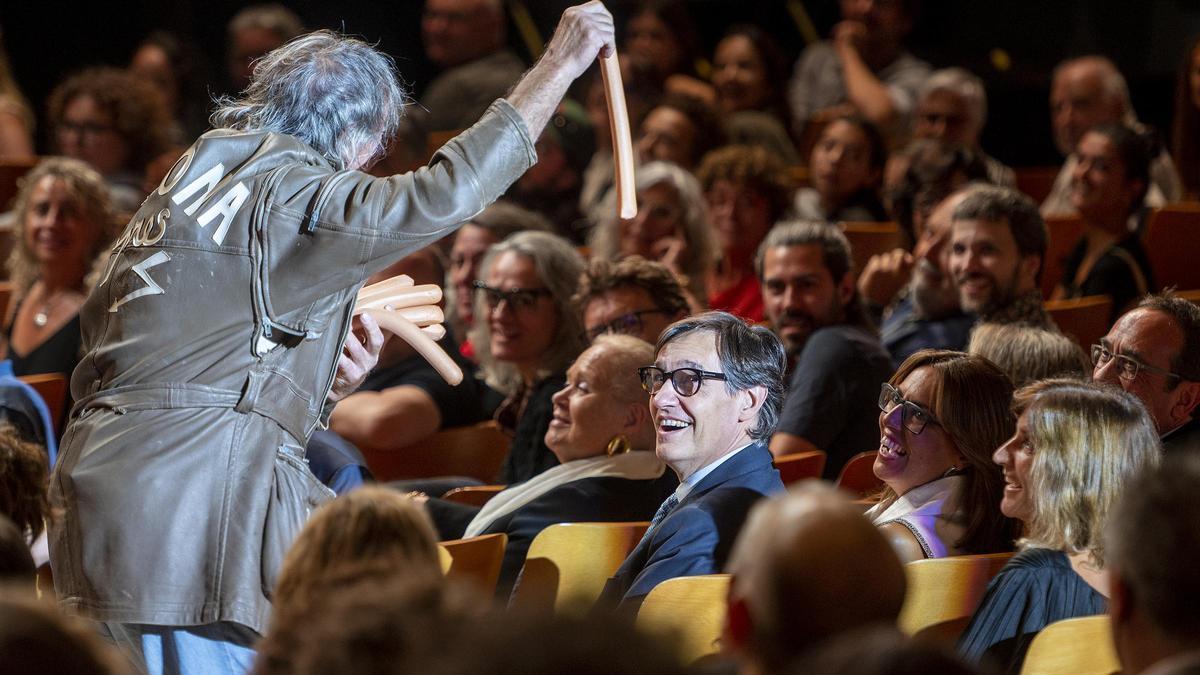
x,y
603,435
942,415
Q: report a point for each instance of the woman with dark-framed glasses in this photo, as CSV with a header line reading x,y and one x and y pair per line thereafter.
x,y
942,415
526,334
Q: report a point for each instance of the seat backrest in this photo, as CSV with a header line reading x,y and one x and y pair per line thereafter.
x,y
476,451
1084,320
473,495
1082,646
943,589
1192,295
1036,181
1172,243
52,387
868,239
692,609
858,475
800,465
1064,232
475,560
568,564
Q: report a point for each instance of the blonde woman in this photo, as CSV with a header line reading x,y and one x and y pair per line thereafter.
x,y
1075,446
63,224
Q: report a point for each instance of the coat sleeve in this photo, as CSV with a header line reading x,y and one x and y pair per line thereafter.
x,y
684,545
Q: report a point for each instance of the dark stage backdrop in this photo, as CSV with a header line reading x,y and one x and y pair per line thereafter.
x,y
1012,44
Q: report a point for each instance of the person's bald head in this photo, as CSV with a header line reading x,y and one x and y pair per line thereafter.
x,y
808,566
1087,92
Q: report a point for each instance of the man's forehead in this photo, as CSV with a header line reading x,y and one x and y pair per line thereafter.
x,y
618,301
796,259
696,349
996,231
1146,330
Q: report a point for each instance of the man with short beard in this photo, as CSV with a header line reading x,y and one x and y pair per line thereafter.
x,y
997,244
927,315
835,358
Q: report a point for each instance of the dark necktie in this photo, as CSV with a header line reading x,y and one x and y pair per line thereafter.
x,y
667,507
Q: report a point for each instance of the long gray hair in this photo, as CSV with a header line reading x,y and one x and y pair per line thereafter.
x,y
559,267
335,93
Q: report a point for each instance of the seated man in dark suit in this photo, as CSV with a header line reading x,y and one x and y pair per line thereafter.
x,y
716,388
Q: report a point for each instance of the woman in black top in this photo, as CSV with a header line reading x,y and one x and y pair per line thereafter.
x,y
63,222
1108,188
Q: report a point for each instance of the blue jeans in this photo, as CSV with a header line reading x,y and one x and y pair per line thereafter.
x,y
183,650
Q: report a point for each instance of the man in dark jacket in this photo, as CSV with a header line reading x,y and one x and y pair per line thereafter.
x,y
716,388
214,333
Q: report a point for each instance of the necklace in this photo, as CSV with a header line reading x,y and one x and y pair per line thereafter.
x,y
42,317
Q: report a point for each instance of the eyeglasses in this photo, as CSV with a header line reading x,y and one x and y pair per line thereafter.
x,y
914,417
685,380
626,324
88,129
1127,366
520,299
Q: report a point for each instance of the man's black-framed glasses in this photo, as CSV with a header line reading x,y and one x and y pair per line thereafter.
x,y
626,324
1127,366
518,298
914,417
685,380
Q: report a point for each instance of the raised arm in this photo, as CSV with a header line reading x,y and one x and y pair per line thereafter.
x,y
584,33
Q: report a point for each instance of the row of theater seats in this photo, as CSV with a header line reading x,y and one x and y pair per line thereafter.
x,y
568,564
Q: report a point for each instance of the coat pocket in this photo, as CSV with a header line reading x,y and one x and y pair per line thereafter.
x,y
295,494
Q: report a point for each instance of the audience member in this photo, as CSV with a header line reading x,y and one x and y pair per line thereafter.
x,y
748,75
862,68
17,569
1085,93
1027,353
1153,352
837,362
748,190
552,186
997,245
113,121
35,638
371,535
603,436
16,117
471,242
24,480
952,108
926,172
662,36
807,568
173,64
371,619
24,408
1151,542
1076,444
1186,137
926,313
254,31
63,225
679,129
402,402
466,39
713,437
879,650
942,415
845,167
539,644
671,227
1108,189
633,296
530,335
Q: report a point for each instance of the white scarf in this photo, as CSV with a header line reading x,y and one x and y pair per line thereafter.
x,y
637,465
